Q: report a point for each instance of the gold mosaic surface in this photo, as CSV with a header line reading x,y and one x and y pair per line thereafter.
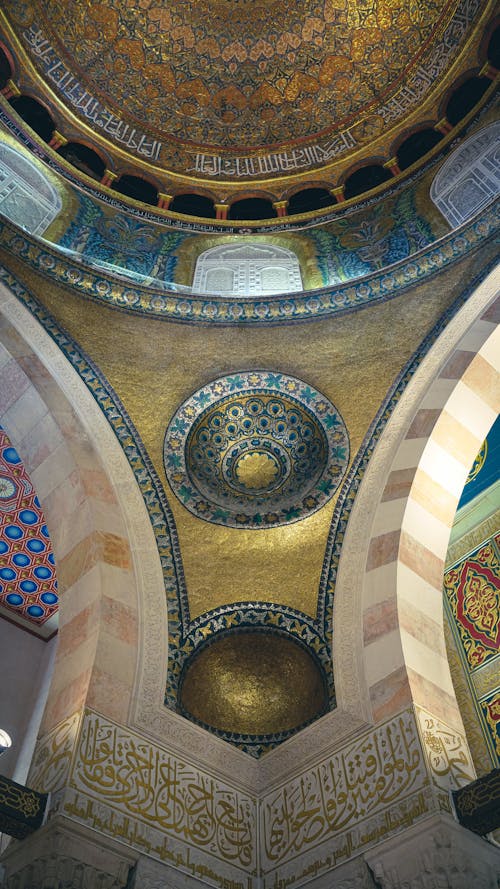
x,y
253,683
241,74
154,366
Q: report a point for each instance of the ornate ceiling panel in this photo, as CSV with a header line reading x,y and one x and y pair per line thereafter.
x,y
255,450
242,73
238,89
28,585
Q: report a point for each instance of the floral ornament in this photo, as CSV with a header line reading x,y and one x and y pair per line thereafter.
x,y
255,450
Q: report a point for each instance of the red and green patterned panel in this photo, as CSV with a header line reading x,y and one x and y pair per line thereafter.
x,y
473,591
491,712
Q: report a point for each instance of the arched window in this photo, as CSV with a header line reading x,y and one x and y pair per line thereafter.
x,y
365,179
470,177
493,54
193,205
83,158
35,115
249,270
137,188
416,146
310,199
26,196
252,208
465,98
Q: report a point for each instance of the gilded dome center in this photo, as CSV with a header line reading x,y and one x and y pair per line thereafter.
x,y
253,683
256,470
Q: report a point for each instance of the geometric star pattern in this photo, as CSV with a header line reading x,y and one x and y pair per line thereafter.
x,y
28,585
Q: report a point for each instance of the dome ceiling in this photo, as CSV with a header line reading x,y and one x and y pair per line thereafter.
x,y
217,87
253,684
242,73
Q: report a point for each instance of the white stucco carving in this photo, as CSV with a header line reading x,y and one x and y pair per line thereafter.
x,y
26,196
470,177
248,270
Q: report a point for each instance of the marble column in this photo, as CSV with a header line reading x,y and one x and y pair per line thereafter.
x,y
435,854
62,854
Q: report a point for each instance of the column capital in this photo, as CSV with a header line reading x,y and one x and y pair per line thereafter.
x,y
164,200
66,854
438,854
57,140
443,126
338,193
10,90
392,165
108,177
280,207
488,70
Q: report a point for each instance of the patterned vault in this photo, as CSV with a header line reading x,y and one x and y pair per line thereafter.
x,y
28,584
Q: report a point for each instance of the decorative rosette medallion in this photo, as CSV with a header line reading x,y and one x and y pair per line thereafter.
x,y
254,450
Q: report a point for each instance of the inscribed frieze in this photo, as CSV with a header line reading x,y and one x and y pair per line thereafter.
x,y
124,771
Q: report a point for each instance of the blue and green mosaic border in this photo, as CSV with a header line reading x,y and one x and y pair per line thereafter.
x,y
377,287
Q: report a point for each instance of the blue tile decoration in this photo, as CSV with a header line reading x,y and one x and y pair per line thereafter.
x,y
485,470
28,582
359,244
255,449
349,247
376,287
122,242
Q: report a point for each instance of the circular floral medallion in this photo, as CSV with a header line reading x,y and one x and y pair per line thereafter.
x,y
254,450
7,488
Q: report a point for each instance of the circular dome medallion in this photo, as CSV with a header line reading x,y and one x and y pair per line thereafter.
x,y
255,450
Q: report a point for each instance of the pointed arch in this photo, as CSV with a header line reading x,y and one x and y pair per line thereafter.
x,y
470,176
389,647
247,270
96,516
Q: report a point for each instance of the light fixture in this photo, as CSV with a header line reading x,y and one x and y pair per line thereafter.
x,y
5,741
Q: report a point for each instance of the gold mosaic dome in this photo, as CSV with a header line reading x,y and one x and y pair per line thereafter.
x,y
251,683
243,80
241,73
